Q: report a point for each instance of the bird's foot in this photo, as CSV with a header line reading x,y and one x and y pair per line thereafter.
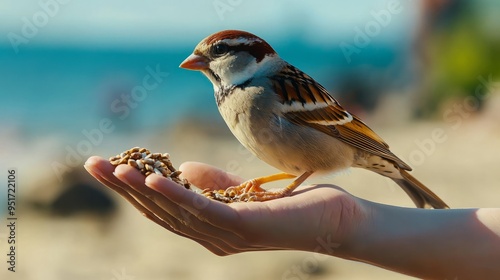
x,y
247,191
251,190
264,196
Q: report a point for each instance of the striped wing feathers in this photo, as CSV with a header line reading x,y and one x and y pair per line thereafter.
x,y
305,102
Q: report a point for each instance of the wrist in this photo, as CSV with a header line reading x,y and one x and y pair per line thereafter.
x,y
361,228
424,243
353,222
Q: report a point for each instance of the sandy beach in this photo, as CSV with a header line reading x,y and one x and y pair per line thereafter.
x,y
462,169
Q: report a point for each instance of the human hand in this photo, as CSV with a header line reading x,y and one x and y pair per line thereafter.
x,y
322,218
321,213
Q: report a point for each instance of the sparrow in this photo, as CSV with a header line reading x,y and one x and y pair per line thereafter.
x,y
290,121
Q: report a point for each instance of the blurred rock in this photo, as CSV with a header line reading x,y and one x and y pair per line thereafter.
x,y
78,193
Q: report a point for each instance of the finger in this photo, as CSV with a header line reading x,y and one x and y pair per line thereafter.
x,y
210,246
213,212
206,176
102,170
178,218
193,213
133,192
98,166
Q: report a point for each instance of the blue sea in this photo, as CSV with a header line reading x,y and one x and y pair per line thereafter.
x,y
64,90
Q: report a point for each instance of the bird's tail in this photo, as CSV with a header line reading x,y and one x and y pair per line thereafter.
x,y
420,194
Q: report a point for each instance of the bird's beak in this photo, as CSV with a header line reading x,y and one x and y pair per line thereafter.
x,y
195,62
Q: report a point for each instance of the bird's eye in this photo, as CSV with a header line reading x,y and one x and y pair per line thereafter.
x,y
220,49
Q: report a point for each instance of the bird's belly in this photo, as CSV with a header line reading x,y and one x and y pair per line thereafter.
x,y
291,148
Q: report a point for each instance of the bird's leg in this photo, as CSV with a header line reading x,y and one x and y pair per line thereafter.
x,y
264,195
253,186
251,190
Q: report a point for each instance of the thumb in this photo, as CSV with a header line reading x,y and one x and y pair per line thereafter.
x,y
205,176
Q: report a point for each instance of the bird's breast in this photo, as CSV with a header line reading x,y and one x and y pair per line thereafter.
x,y
292,148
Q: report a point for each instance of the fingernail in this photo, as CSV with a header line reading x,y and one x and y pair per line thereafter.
x,y
92,170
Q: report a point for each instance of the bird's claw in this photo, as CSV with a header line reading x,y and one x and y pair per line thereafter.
x,y
245,192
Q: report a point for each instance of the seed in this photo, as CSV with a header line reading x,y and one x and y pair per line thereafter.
x,y
169,165
136,155
132,163
157,171
139,164
166,171
148,163
186,184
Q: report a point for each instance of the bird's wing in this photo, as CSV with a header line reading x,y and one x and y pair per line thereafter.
x,y
306,102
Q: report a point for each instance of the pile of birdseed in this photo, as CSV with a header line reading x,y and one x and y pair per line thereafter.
x,y
221,195
148,163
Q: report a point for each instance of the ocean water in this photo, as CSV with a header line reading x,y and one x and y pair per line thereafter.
x,y
56,90
65,90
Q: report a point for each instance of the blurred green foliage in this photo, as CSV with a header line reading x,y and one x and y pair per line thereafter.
x,y
460,49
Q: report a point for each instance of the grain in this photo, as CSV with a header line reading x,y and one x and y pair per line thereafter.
x,y
150,163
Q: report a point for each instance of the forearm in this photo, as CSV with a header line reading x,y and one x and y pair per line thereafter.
x,y
433,244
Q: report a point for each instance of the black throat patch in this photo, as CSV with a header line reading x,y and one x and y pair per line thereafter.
x,y
224,92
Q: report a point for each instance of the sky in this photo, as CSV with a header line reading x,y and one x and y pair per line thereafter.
x,y
133,23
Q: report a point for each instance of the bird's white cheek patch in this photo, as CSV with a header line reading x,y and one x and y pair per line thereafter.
x,y
252,70
237,78
216,88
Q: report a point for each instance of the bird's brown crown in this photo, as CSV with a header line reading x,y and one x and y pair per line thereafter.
x,y
237,40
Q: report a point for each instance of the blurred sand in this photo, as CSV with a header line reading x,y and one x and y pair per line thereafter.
x,y
463,170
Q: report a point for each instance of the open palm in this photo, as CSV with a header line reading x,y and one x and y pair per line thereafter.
x,y
321,213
